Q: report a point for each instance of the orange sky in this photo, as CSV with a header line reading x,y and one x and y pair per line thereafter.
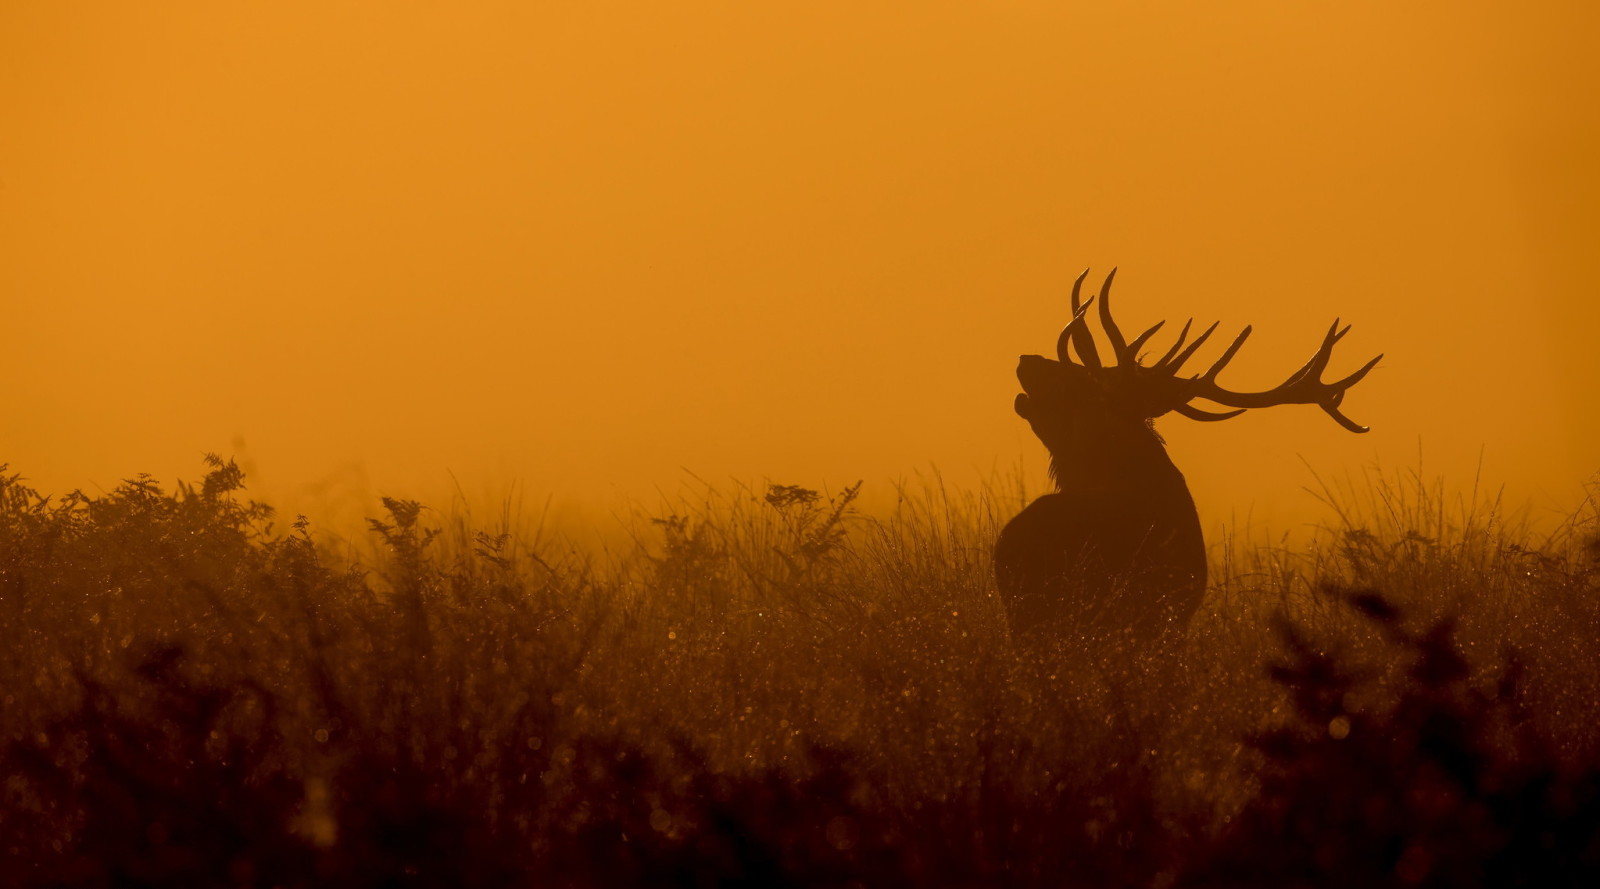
x,y
582,245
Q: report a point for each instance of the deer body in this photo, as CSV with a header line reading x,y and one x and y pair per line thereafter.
x,y
1118,548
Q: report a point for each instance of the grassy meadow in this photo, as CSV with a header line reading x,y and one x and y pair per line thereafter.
x,y
769,686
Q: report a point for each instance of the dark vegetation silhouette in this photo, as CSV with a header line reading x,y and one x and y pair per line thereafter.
x,y
775,690
1117,548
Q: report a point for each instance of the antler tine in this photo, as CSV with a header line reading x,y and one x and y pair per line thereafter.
x,y
1355,378
1082,339
1070,334
1195,413
1332,410
1133,347
1227,356
1119,346
1184,355
1305,386
1182,335
1319,359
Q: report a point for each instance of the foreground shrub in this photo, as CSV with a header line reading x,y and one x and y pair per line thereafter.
x,y
1443,786
773,690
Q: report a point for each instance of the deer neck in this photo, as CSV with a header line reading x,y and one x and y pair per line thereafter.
x,y
1129,462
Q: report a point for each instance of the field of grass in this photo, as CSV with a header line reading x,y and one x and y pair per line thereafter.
x,y
772,688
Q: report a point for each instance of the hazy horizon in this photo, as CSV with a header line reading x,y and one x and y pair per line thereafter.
x,y
580,249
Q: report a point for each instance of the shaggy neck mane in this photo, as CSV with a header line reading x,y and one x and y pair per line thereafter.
x,y
1125,458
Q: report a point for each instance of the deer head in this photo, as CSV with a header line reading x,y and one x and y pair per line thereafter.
x,y
1064,399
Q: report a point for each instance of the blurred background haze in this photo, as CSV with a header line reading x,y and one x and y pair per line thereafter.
x,y
577,248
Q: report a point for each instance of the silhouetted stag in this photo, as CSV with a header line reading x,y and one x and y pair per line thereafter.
x,y
1118,548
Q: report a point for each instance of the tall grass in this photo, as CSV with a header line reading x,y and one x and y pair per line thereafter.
x,y
771,687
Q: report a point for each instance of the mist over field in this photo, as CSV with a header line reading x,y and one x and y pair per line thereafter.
x,y
771,687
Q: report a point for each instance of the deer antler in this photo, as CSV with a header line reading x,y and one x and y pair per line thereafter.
x,y
1304,386
1124,354
1078,332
